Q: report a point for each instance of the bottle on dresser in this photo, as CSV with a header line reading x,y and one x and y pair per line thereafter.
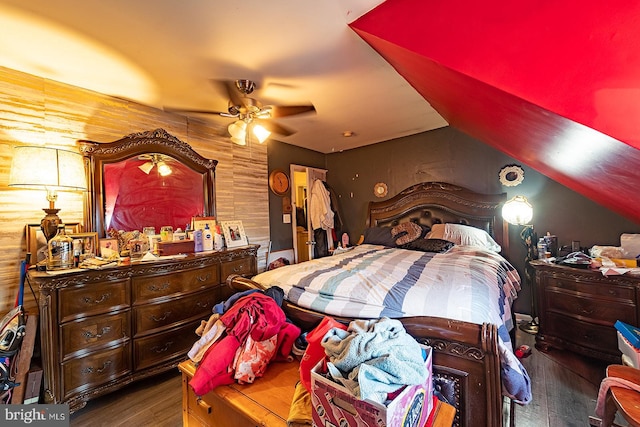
x,y
542,248
207,238
60,249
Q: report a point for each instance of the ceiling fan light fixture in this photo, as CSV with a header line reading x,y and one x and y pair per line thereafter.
x,y
239,141
155,160
261,133
264,113
237,129
146,167
163,168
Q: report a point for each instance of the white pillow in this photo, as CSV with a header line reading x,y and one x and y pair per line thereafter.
x,y
463,235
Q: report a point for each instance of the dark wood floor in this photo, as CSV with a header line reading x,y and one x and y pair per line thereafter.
x,y
564,387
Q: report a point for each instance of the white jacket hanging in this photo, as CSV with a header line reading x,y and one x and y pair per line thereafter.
x,y
320,207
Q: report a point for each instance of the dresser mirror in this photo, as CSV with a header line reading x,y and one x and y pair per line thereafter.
x,y
146,179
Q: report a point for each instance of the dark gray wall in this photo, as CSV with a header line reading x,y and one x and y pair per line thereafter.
x,y
449,155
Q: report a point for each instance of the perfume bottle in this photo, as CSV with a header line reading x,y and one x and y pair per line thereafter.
x,y
60,250
207,239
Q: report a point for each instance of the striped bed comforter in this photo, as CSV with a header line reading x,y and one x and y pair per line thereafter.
x,y
466,283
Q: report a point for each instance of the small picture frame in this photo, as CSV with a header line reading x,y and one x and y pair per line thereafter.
x,y
108,247
37,243
88,244
234,234
199,222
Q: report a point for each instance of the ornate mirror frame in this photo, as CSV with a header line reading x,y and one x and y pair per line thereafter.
x,y
97,154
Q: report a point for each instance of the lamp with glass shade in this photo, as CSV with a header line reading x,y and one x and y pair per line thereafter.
x,y
518,211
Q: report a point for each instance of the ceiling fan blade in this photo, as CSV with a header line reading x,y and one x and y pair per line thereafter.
x,y
273,127
290,110
192,111
232,91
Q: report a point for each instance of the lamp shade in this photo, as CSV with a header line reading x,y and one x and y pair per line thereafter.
x,y
517,211
44,168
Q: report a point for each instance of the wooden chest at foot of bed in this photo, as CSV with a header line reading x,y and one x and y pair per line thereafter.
x,y
265,402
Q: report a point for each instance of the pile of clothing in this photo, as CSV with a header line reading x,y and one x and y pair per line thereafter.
x,y
374,359
244,334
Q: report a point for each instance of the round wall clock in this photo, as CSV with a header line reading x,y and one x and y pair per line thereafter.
x,y
279,182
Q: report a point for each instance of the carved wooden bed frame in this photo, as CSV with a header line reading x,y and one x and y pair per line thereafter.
x,y
466,362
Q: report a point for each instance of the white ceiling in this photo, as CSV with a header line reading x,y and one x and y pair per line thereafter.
x,y
166,53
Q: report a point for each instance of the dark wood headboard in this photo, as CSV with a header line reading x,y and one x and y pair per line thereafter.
x,y
431,203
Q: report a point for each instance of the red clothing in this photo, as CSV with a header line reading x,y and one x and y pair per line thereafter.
x,y
256,315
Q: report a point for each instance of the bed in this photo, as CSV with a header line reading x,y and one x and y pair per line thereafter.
x,y
455,299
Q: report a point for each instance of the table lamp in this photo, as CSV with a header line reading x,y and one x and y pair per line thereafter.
x,y
49,169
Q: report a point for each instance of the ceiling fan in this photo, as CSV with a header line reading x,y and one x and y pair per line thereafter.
x,y
158,160
252,118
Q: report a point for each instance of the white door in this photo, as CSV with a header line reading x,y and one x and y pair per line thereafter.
x,y
302,179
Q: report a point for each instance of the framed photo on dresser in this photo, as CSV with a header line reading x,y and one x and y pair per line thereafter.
x,y
234,234
88,244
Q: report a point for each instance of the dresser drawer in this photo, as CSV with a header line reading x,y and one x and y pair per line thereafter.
x,y
242,266
586,308
149,318
164,284
594,288
94,298
596,337
93,333
162,347
95,369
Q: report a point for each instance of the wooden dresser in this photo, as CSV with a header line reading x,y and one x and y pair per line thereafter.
x,y
102,329
578,307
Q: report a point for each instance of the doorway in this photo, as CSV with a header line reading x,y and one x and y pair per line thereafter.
x,y
302,179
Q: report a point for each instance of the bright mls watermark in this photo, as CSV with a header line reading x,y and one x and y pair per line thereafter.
x,y
34,415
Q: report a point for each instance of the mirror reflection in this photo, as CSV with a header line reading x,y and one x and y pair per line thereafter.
x,y
146,179
151,190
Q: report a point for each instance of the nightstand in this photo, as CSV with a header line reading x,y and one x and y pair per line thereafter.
x,y
578,307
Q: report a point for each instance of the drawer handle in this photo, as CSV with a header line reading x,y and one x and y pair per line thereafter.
x,y
160,319
202,304
585,311
103,298
204,278
238,268
90,370
162,349
204,405
155,288
89,335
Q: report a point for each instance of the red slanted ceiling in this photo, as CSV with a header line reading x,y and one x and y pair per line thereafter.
x,y
554,84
